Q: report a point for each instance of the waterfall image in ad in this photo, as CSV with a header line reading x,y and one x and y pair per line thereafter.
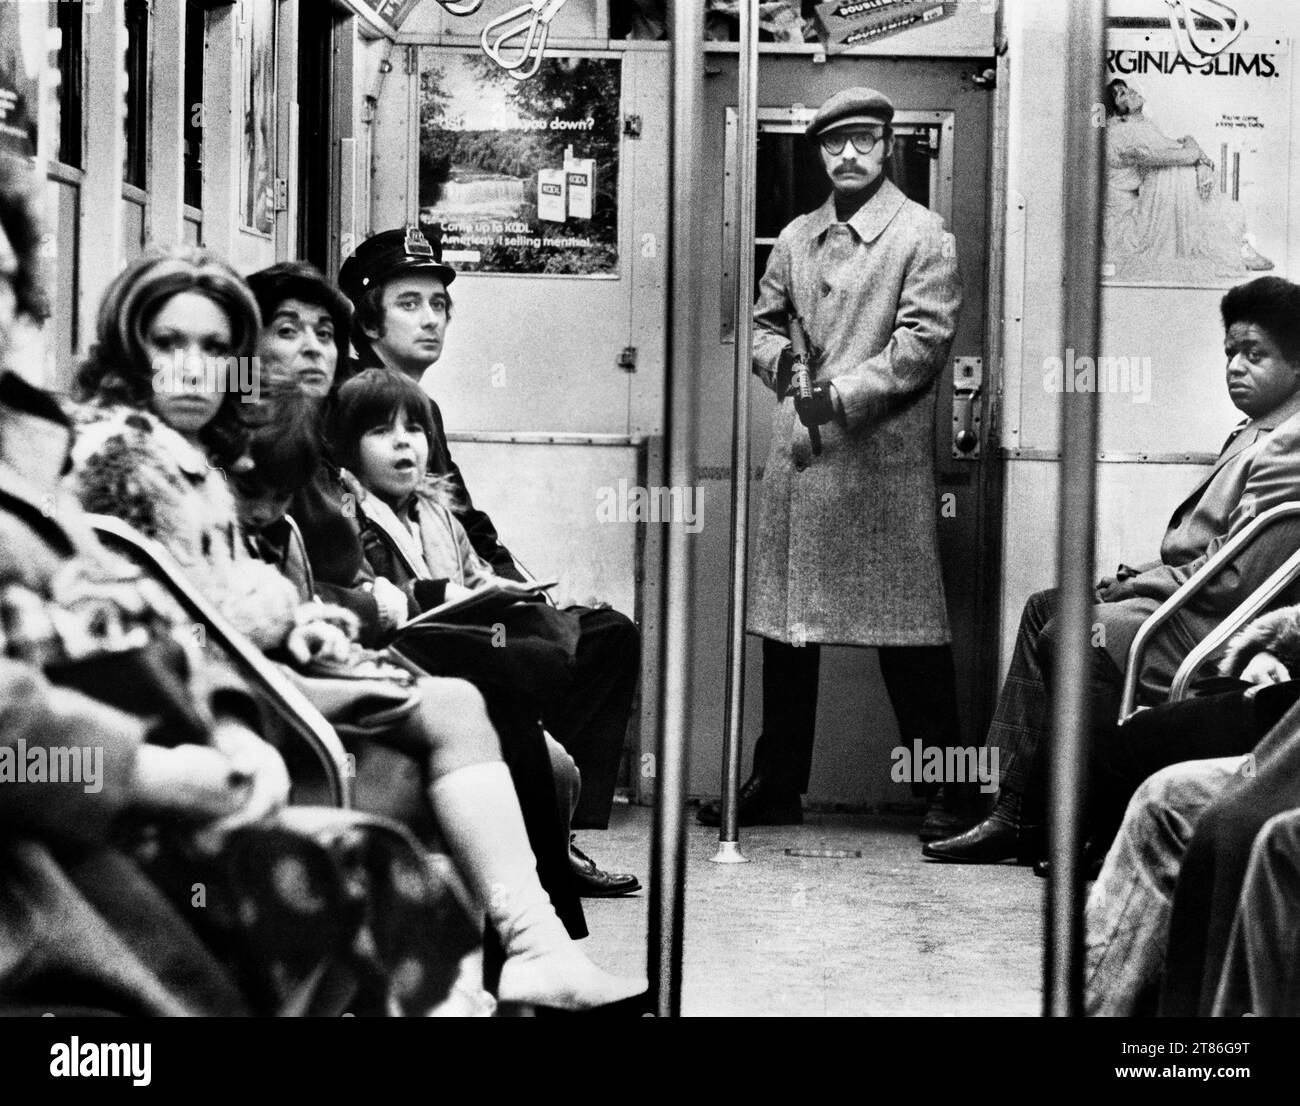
x,y
522,176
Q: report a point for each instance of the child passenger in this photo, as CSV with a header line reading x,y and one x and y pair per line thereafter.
x,y
383,428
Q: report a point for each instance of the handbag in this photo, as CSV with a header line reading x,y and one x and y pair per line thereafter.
x,y
369,707
359,700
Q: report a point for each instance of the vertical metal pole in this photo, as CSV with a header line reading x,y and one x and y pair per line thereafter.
x,y
668,847
1085,39
746,170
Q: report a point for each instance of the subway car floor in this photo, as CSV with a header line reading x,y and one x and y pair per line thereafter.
x,y
884,934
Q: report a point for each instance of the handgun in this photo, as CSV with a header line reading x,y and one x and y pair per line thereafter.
x,y
801,377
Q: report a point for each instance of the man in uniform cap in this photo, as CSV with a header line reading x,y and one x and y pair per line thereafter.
x,y
846,550
398,285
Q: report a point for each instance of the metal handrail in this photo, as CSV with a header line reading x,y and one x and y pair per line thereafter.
x,y
1189,589
290,703
1258,600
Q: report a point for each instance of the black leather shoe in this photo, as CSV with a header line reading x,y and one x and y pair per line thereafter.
x,y
944,818
1092,863
758,806
991,842
1043,869
593,883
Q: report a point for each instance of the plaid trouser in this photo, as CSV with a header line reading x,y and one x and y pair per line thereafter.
x,y
1022,720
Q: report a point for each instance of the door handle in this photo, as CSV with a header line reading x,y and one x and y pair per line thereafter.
x,y
967,406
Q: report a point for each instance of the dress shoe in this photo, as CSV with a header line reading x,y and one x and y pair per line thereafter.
x,y
1094,856
1043,869
944,817
758,806
593,883
993,841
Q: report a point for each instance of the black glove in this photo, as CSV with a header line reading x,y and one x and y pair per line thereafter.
x,y
819,407
784,372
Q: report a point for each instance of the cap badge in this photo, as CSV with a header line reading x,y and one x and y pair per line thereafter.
x,y
416,243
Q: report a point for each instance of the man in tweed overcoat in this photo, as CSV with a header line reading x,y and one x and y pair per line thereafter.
x,y
846,545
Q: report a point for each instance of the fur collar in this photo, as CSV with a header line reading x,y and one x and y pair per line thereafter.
x,y
129,463
1277,632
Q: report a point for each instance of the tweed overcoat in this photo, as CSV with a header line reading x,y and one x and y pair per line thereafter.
x,y
846,549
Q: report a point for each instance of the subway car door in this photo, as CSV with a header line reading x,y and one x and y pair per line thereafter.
x,y
940,160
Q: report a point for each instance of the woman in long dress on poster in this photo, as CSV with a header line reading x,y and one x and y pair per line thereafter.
x,y
1165,220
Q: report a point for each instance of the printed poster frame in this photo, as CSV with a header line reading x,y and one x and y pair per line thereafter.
x,y
1164,227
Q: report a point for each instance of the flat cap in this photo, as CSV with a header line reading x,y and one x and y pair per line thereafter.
x,y
391,253
852,107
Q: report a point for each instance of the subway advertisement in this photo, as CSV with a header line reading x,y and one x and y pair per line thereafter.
x,y
522,175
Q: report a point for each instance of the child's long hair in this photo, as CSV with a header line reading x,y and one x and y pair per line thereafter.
x,y
374,398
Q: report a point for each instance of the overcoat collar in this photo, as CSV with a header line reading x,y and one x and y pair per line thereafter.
x,y
869,220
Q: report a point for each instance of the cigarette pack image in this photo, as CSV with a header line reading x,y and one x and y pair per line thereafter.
x,y
551,196
580,180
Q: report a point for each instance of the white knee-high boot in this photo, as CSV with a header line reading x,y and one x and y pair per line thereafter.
x,y
478,812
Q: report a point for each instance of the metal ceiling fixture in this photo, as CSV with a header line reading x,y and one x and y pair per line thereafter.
x,y
461,7
1182,21
530,23
516,40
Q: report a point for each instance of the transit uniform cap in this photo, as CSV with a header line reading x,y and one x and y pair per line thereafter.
x,y
852,107
392,253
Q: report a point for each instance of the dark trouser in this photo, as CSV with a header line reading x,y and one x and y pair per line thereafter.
x,y
589,717
1221,725
1212,873
922,687
1021,724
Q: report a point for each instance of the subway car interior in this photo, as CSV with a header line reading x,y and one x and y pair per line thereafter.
x,y
858,611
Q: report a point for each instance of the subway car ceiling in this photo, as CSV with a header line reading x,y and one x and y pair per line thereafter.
x,y
294,129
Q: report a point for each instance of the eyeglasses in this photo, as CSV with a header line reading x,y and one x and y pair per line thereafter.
x,y
863,141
